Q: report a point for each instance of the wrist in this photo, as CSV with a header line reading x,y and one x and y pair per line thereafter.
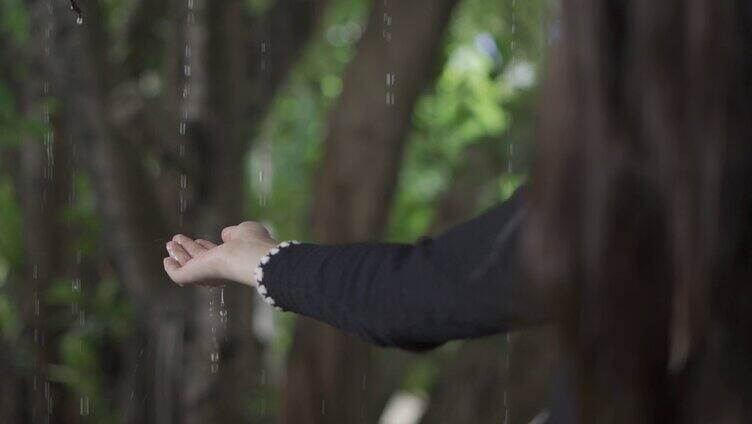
x,y
261,250
244,258
260,279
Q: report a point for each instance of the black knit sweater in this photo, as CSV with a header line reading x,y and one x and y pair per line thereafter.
x,y
461,284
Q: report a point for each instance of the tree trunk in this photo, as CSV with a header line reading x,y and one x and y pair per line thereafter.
x,y
171,377
329,375
521,391
496,380
44,186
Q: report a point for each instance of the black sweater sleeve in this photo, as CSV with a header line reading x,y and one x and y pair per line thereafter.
x,y
461,284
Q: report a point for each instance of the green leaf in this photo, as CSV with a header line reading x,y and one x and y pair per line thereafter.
x,y
14,20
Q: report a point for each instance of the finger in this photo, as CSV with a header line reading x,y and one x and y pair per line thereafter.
x,y
194,249
173,269
227,233
252,228
178,253
201,270
206,244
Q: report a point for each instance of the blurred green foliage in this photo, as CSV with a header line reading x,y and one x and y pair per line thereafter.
x,y
472,102
467,105
11,257
14,126
295,127
81,214
11,244
482,94
482,76
14,20
91,319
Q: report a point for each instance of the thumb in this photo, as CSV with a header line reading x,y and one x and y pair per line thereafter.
x,y
227,233
251,229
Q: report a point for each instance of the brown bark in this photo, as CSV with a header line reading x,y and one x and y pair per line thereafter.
x,y
169,378
470,183
10,400
44,185
532,352
329,375
498,379
475,385
472,382
472,389
482,163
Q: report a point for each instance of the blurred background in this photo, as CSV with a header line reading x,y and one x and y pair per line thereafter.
x,y
327,120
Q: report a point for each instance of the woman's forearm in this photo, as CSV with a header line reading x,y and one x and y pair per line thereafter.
x,y
461,284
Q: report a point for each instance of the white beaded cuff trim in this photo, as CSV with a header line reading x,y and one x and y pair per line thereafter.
x,y
259,271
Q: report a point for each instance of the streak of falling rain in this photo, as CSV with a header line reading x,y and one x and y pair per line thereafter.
x,y
84,406
510,157
77,10
386,34
213,355
263,165
49,134
214,362
264,53
513,61
48,397
78,310
514,31
222,307
386,29
262,193
391,80
506,385
263,401
48,140
185,94
264,178
509,163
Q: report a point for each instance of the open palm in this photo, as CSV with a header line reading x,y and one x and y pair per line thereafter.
x,y
204,262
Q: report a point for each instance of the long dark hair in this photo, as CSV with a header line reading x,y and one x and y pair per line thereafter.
x,y
640,225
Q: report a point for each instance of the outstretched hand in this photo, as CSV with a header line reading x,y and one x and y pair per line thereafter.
x,y
203,262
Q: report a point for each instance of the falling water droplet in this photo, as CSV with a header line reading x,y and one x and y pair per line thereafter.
x,y
214,362
262,193
77,10
506,404
84,406
513,46
510,158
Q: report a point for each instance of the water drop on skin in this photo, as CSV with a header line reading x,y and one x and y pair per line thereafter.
x,y
79,20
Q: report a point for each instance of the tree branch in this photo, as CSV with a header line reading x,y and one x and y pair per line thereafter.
x,y
354,187
273,45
